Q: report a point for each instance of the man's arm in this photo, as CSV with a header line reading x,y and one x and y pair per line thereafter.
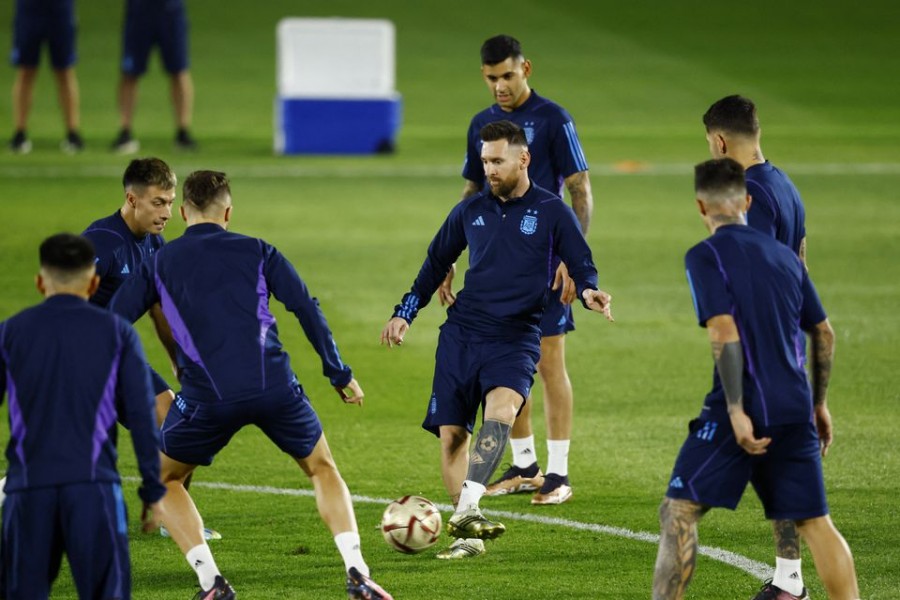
x,y
821,360
164,333
289,289
728,354
802,252
135,396
445,290
579,187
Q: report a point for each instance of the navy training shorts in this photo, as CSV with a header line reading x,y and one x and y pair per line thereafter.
x,y
86,521
713,470
155,23
466,369
194,432
50,21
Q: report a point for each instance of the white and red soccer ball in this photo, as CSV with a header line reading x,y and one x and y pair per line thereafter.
x,y
411,524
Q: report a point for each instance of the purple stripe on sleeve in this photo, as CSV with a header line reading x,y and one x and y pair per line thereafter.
x,y
17,429
550,274
106,409
266,320
180,331
751,369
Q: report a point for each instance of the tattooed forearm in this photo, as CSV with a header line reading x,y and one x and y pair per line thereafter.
x,y
821,360
677,554
470,188
787,540
579,186
729,357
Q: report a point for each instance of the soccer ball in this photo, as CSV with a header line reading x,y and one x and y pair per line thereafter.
x,y
411,524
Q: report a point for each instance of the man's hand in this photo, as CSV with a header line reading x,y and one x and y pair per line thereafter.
x,y
393,332
823,427
355,396
445,291
599,301
562,280
743,433
150,517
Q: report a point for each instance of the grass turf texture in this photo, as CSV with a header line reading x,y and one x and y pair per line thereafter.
x,y
636,80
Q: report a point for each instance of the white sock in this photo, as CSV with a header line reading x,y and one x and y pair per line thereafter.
x,y
470,496
788,576
202,561
523,451
2,493
348,545
558,457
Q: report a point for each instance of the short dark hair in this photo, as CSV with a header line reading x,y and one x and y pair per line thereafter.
x,y
732,114
499,48
202,188
720,179
145,172
67,253
504,130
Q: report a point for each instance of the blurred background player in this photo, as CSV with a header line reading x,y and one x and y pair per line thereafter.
x,y
557,160
70,370
151,23
234,371
732,130
128,237
756,300
490,344
38,22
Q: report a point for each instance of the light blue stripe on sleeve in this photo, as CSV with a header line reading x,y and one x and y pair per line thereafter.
x,y
575,146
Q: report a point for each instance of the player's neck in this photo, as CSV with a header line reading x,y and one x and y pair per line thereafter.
x,y
716,220
128,216
521,189
749,156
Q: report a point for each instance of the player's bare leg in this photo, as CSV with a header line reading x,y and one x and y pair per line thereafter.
x,y
500,407
181,518
788,576
524,475
182,86
677,553
23,95
126,96
332,496
70,103
834,561
558,404
454,465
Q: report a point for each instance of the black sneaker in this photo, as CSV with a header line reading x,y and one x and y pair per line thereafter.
x,y
73,144
770,591
184,141
221,590
20,144
516,480
124,143
361,587
556,490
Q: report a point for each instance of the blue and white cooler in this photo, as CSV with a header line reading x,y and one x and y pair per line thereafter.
x,y
336,81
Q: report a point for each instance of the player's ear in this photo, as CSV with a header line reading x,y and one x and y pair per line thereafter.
x,y
721,144
227,214
524,159
39,284
701,206
526,68
747,203
183,214
93,285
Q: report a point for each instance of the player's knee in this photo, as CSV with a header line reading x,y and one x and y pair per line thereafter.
x,y
453,439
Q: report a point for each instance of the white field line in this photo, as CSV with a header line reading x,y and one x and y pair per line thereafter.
x,y
756,569
383,171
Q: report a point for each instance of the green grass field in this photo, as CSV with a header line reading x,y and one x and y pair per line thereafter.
x,y
637,79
